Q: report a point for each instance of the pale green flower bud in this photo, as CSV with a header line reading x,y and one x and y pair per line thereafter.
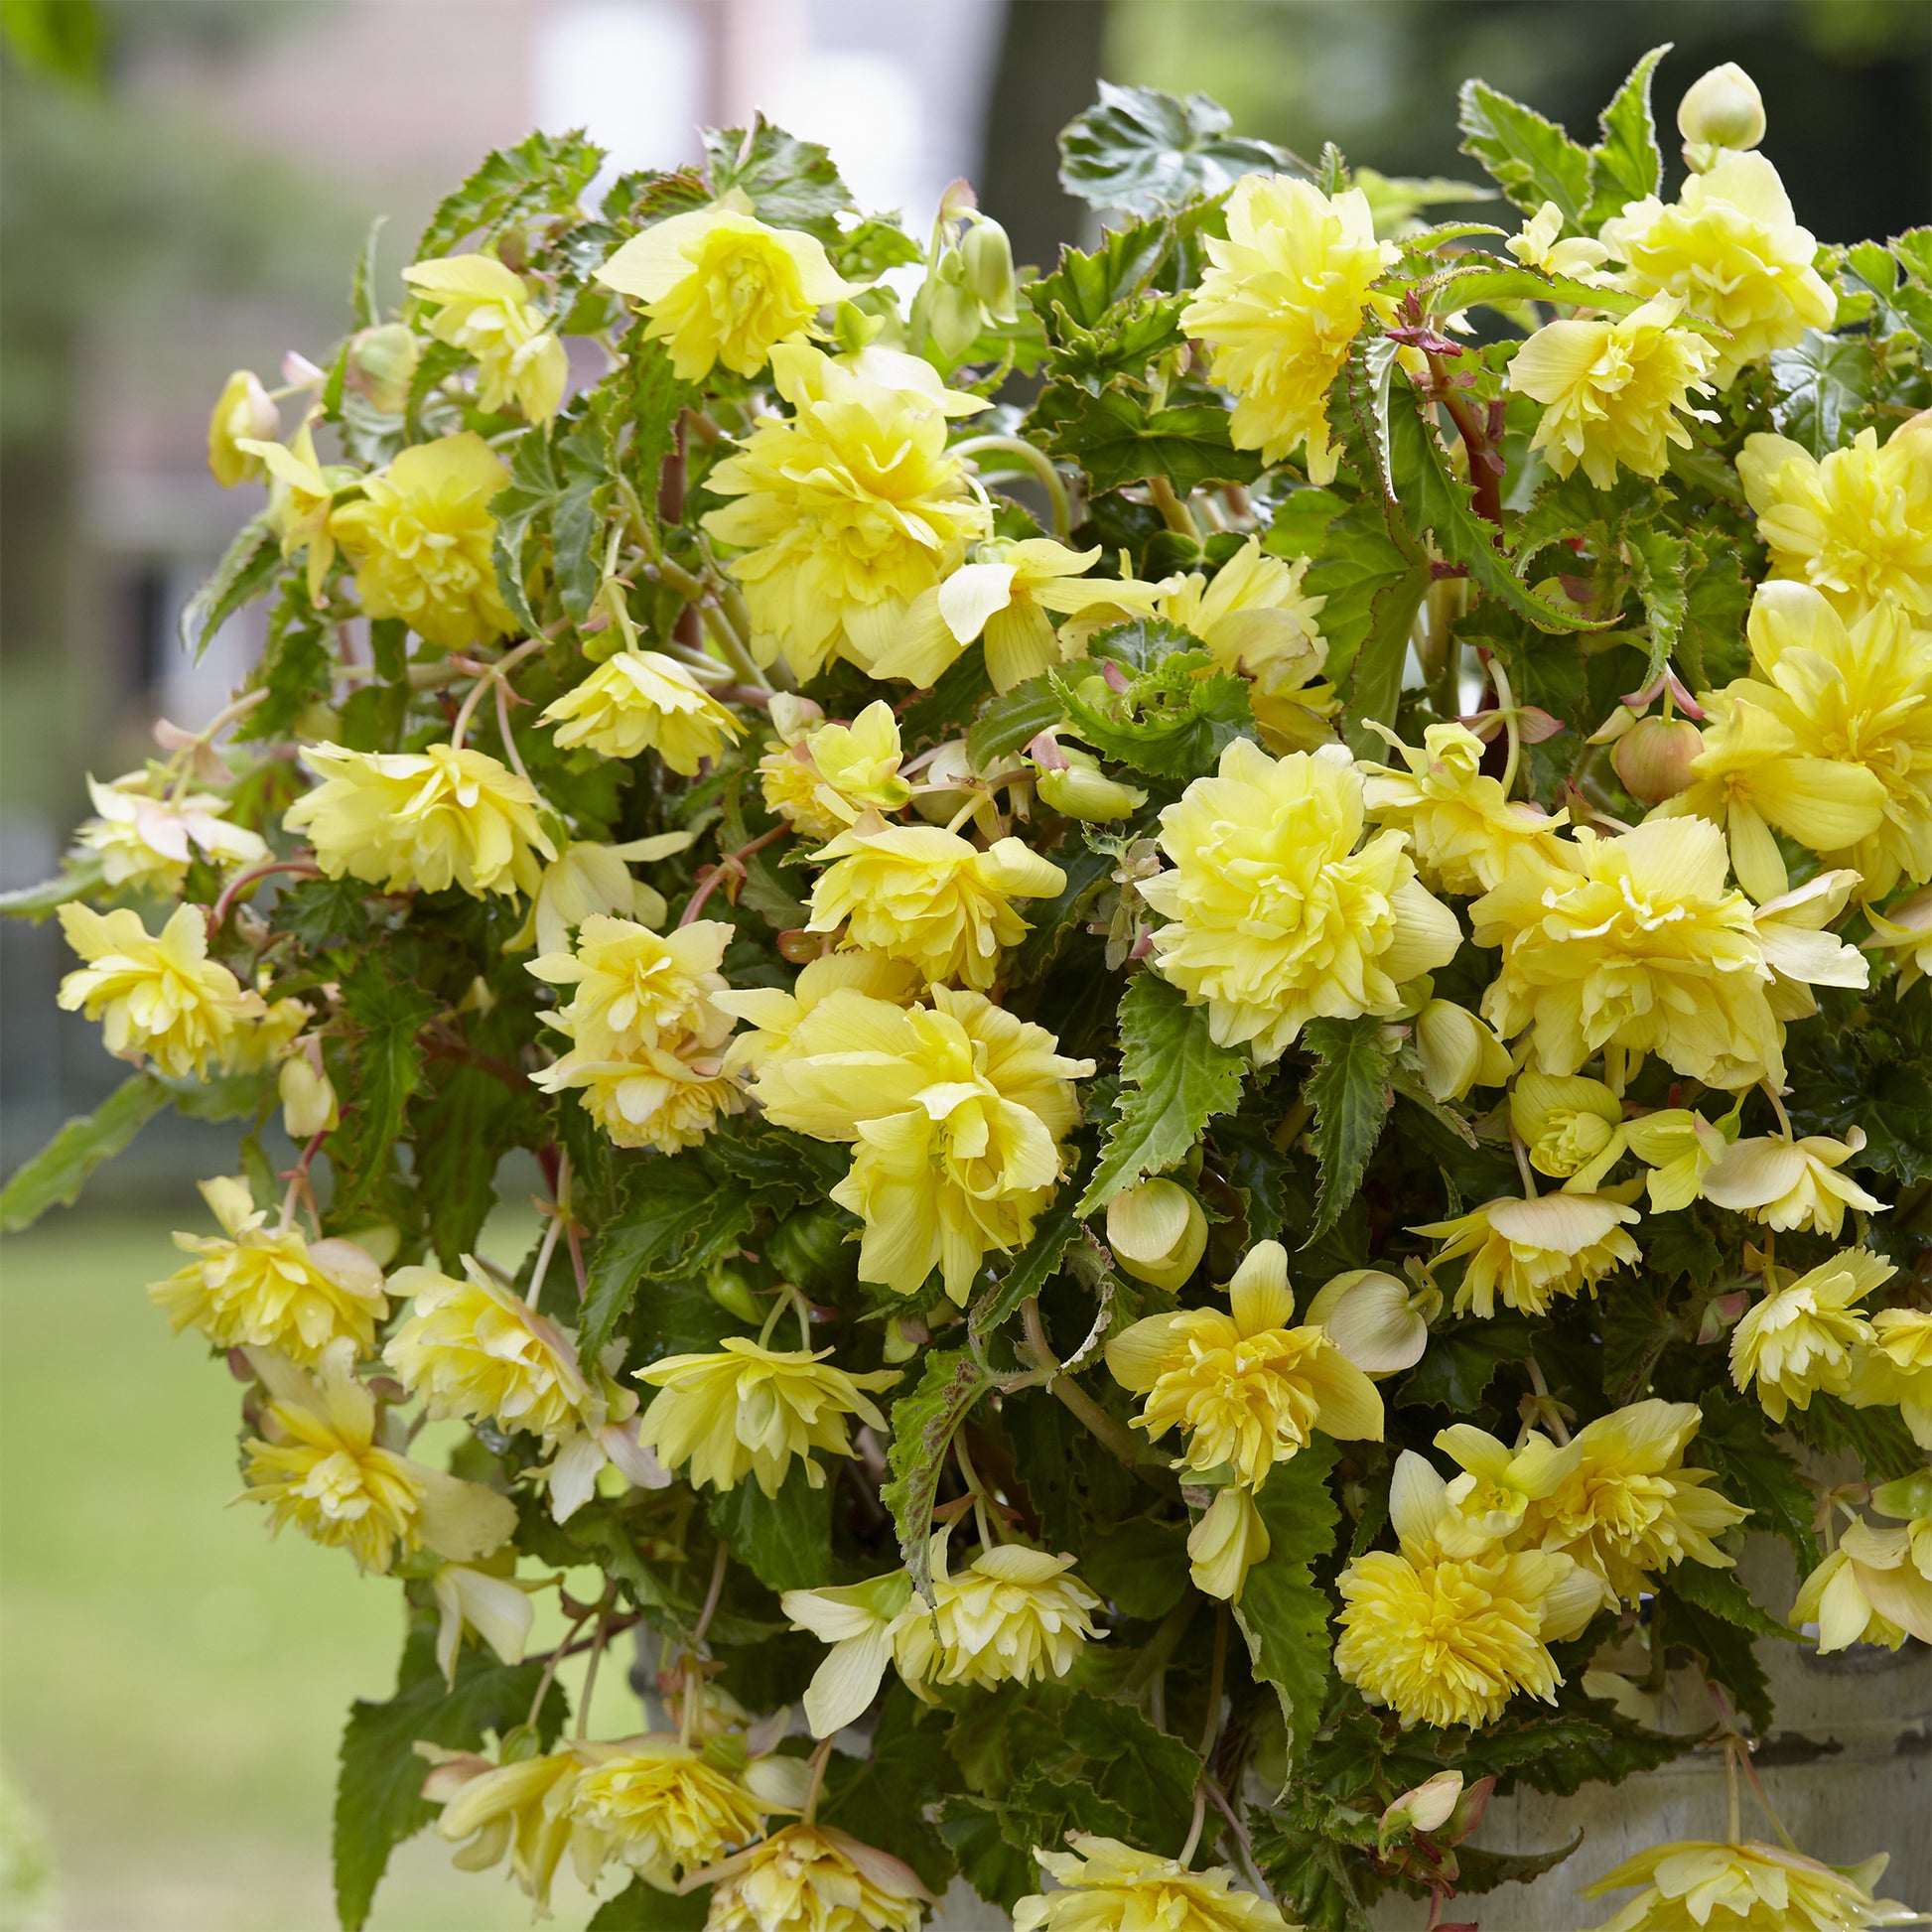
x,y
1722,110
988,257
1158,1232
1080,789
382,364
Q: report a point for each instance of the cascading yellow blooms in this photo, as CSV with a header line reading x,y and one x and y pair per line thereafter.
x,y
1894,1369
749,1410
773,1016
1786,1183
929,896
1855,524
1286,295
1730,249
647,1037
584,880
1535,1253
820,777
145,842
158,996
1276,918
1103,1885
423,821
848,509
1690,1886
660,1807
1799,1339
521,1809
485,311
1564,1121
1613,390
253,1286
421,541
718,285
640,699
1876,1588
815,1878
955,1112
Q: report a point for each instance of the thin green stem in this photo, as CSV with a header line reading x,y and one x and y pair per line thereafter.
x,y
1174,513
1037,462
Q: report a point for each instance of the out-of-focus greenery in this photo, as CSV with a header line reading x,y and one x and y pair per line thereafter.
x,y
1847,83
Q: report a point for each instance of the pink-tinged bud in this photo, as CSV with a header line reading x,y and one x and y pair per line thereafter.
x,y
381,366
1653,757
1428,1805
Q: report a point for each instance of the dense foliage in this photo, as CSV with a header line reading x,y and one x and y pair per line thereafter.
x,y
1214,965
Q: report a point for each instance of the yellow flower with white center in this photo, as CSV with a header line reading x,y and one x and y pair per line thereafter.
x,y
494,1607
520,1808
1785,1183
1013,1615
422,821
1731,251
1894,1369
324,1468
1458,1052
1904,928
1107,1887
1535,1253
661,1808
1625,1507
1635,942
815,1878
485,311
1615,391
718,285
1692,1886
259,1287
158,996
1225,1544
1246,1389
638,699
634,986
145,842
849,508
1004,595
1157,1232
748,1410
1856,525
1461,825
301,493
922,894
1284,298
819,777
585,881
773,1016
1859,693
1276,918
1566,1122
243,412
1799,1339
956,1113
1577,257
1679,1146
1450,1641
1875,1588
421,540
1486,1505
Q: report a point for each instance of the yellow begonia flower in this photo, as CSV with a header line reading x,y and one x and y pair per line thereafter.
x,y
1859,693
1787,1184
1799,1339
660,1807
849,508
421,540
1535,245
1894,1369
815,1878
1857,526
1535,1252
300,493
956,1113
522,1808
145,842
1694,1886
1107,1887
157,996
820,777
1875,1588
1276,918
1679,1146
1461,825
323,1469
1246,1389
1625,1507
243,413
1905,930
1730,248
586,879
718,286
1635,942
496,1609
773,1016
651,1097
1226,1543
641,698
422,821
485,311
749,1410
1450,1641
1458,1052
1284,298
1613,390
924,894
259,1287
1566,1122
1486,1505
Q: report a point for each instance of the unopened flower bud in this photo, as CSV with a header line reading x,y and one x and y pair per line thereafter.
x,y
1377,1321
1653,757
1458,1052
1720,110
1428,1805
954,317
308,1099
1158,1232
733,1293
1078,788
852,328
382,364
988,256
905,1335
244,410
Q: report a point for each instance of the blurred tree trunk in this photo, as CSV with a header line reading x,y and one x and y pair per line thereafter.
x,y
1050,66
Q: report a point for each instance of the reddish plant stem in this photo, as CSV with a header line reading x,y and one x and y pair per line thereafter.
x,y
232,889
731,862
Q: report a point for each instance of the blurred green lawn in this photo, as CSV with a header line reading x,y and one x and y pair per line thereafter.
x,y
173,1684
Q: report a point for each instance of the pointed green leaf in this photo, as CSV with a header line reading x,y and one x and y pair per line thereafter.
x,y
1625,164
1352,1092
1532,160
56,1174
924,1423
1146,152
